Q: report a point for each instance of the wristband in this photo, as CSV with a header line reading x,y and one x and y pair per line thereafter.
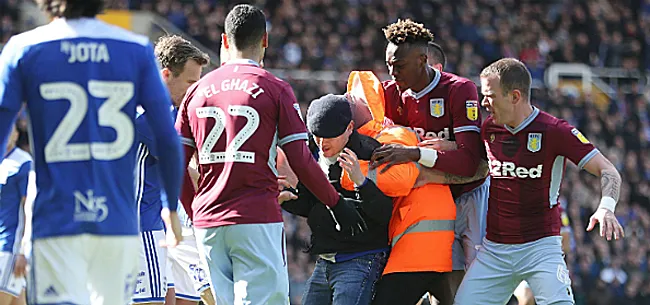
x,y
607,203
428,156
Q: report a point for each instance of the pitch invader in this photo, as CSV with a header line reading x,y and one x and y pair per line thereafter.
x,y
527,150
16,179
181,67
82,80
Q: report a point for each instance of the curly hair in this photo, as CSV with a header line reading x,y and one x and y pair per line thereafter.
x,y
174,51
72,9
407,31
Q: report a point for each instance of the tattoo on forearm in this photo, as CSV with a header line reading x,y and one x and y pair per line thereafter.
x,y
481,173
610,182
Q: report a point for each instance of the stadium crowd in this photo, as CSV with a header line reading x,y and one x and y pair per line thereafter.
x,y
345,35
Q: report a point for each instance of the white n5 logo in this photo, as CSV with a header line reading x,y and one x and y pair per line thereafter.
x,y
89,208
504,169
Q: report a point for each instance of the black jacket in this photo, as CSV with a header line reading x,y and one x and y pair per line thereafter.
x,y
375,207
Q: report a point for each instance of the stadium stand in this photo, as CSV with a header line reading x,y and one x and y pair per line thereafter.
x,y
610,36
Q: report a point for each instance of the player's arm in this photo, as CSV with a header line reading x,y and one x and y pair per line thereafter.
x,y
463,161
28,189
302,205
155,99
11,91
571,143
430,175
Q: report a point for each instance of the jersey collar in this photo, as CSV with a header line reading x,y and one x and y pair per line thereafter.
x,y
525,123
242,61
428,88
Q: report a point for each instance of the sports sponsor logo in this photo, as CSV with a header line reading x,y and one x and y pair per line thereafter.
x,y
509,169
471,108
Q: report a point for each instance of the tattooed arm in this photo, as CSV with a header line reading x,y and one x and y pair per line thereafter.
x,y
610,181
430,175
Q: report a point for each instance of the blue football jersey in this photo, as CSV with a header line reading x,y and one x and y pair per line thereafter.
x,y
82,80
15,176
149,191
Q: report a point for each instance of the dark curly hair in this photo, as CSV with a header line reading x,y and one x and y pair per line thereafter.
x,y
72,9
407,31
174,51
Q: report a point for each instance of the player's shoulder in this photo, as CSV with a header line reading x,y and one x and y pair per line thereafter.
x,y
455,81
90,28
553,123
19,157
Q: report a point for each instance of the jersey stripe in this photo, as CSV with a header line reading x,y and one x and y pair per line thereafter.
x,y
467,128
141,158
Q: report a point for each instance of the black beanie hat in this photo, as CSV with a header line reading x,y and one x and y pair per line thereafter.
x,y
329,116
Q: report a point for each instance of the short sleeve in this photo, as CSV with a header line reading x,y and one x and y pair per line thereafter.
x,y
465,108
571,143
291,126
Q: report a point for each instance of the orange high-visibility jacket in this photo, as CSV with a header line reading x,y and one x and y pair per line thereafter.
x,y
421,230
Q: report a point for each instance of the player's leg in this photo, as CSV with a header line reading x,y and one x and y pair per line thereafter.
x,y
259,264
58,271
11,286
21,299
112,269
489,279
207,297
524,294
190,278
354,281
543,266
151,284
404,287
170,297
214,253
317,289
474,205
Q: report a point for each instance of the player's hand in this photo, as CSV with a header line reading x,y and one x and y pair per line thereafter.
x,y
285,189
173,234
20,265
393,154
609,225
348,218
350,163
439,144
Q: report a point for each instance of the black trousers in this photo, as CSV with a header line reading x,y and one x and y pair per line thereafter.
x,y
406,288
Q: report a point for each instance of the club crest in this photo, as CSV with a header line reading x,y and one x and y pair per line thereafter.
x,y
472,110
534,142
437,107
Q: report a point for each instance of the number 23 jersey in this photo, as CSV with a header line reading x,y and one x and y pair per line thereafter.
x,y
235,117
